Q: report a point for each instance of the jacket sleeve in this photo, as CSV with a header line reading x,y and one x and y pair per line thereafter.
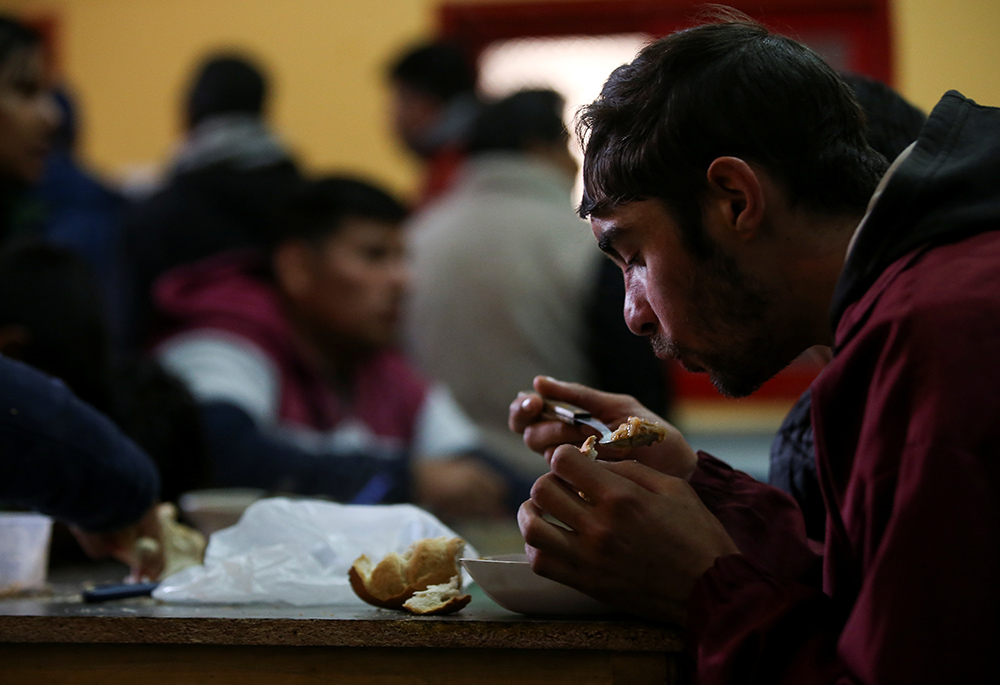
x,y
765,523
753,616
61,457
245,454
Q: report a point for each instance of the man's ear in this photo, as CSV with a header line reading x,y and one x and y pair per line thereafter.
x,y
734,187
14,340
293,268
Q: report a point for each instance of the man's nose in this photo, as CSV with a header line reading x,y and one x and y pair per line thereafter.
x,y
639,315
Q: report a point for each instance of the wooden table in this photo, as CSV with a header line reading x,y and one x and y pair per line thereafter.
x,y
58,639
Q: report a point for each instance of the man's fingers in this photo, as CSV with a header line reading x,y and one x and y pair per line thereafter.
x,y
554,389
560,500
545,436
642,475
549,546
580,472
540,533
524,411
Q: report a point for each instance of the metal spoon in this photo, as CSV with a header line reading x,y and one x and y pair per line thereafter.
x,y
574,415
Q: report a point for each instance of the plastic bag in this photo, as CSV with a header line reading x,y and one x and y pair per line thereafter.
x,y
299,552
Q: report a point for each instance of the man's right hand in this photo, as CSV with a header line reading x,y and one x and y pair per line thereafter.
x,y
673,456
121,545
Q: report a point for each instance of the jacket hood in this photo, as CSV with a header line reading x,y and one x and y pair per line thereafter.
x,y
228,292
945,190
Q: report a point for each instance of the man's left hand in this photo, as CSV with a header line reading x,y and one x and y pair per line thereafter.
x,y
638,539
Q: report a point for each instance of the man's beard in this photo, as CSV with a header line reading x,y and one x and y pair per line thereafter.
x,y
730,377
734,315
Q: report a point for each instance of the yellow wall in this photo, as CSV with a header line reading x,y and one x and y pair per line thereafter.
x,y
945,44
128,60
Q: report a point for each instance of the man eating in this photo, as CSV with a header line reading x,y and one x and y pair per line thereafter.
x,y
726,172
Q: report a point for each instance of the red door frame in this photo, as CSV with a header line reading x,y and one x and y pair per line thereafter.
x,y
864,24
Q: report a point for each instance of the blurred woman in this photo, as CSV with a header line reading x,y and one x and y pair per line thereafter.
x,y
28,119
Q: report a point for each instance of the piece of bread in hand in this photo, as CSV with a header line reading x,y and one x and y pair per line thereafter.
x,y
398,577
446,598
633,432
636,432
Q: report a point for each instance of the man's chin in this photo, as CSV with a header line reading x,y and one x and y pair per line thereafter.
x,y
671,353
729,385
735,386
691,367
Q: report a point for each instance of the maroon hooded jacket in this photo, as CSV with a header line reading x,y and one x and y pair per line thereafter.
x,y
907,424
230,295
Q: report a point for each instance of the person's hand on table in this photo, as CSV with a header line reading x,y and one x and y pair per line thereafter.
x,y
459,488
145,562
637,539
672,456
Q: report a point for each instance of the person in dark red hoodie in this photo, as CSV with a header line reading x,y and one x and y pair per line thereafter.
x,y
292,358
728,176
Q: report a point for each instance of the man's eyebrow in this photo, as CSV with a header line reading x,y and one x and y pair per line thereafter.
x,y
608,238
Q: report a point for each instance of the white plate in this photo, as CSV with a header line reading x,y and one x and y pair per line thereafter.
x,y
509,581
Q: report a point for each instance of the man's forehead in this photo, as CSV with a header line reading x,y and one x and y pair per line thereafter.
x,y
623,216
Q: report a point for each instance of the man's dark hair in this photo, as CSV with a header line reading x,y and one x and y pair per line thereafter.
x,y
15,37
226,83
320,207
519,120
730,88
891,122
439,69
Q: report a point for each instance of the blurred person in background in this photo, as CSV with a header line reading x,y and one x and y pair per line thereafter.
x,y
61,457
28,120
82,212
507,283
58,455
224,182
52,317
433,103
291,355
46,192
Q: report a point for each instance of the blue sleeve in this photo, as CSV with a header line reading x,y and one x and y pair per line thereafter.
x,y
244,455
61,457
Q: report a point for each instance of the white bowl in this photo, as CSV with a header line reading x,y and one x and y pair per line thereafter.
x,y
509,581
214,509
